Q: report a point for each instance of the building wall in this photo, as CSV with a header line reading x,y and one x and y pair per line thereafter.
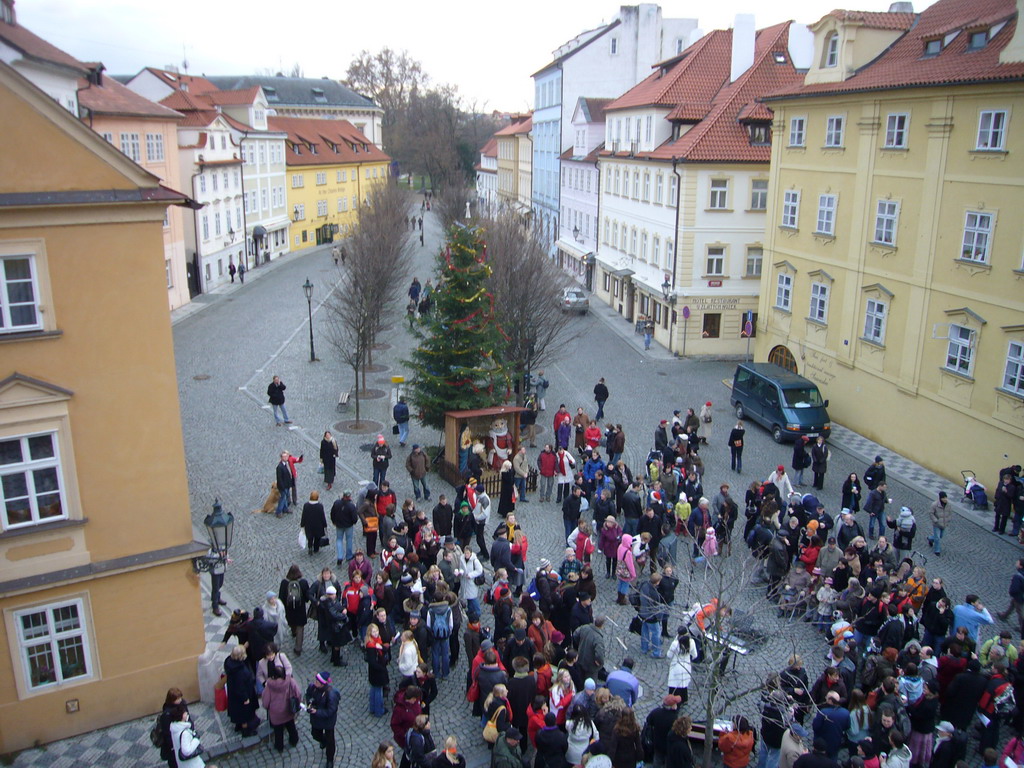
x,y
524,169
265,190
107,392
343,190
917,395
169,171
508,176
546,139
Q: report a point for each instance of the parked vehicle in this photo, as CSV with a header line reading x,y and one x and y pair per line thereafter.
x,y
574,300
788,405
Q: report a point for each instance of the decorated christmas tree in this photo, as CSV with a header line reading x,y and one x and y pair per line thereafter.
x,y
456,365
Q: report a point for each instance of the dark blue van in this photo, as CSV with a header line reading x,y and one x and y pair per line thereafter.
x,y
788,405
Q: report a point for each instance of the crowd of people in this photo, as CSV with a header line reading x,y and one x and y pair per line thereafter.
x,y
906,681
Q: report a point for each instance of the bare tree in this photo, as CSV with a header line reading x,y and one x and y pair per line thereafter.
x,y
373,276
388,77
450,203
526,287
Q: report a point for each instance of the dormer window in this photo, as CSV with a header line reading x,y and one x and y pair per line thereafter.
x,y
933,47
760,134
780,57
978,40
312,149
297,148
318,96
832,51
614,46
271,93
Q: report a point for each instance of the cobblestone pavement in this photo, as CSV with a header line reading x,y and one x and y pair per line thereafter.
x,y
227,353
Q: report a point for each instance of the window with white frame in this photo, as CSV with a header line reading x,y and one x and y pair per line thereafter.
x,y
613,46
648,129
300,211
885,222
716,260
875,314
755,257
896,131
608,179
250,201
819,303
154,147
977,233
673,189
321,178
758,194
263,153
343,204
834,131
297,181
53,643
831,51
826,215
784,292
659,189
991,129
615,234
30,480
656,250
206,228
108,137
321,207
632,242
960,351
202,183
1013,378
790,208
636,185
669,255
238,218
643,246
797,131
618,179
263,198
130,146
19,294
719,199
647,187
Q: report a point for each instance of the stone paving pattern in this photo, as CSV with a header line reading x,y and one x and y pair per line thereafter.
x,y
243,337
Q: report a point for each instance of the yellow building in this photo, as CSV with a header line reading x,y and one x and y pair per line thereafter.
x,y
893,274
515,164
331,169
95,529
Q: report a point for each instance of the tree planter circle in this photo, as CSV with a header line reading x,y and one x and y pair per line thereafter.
x,y
361,427
367,394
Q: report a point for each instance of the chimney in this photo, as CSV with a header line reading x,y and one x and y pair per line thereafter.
x,y
1013,53
742,45
901,7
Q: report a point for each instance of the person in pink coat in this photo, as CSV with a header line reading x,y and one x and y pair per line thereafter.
x,y
626,568
608,543
277,695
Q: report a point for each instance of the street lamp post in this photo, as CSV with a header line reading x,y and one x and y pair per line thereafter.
x,y
307,288
670,299
220,526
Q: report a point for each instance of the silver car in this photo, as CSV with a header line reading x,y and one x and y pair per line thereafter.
x,y
574,300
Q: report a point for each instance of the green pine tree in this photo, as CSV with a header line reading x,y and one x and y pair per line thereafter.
x,y
456,365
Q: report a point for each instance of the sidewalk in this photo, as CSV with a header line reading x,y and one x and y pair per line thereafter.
x,y
203,300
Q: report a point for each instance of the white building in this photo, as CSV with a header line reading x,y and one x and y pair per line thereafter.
x,y
487,178
603,62
684,188
580,183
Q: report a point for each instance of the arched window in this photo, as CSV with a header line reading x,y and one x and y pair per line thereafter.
x,y
783,358
832,50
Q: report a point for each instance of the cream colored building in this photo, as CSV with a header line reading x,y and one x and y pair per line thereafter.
x,y
684,188
893,272
515,165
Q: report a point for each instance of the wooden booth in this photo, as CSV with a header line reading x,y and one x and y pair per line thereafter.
x,y
466,431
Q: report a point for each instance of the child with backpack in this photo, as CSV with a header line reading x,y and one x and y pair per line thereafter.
x,y
439,622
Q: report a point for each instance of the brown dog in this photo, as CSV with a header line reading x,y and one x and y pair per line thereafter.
x,y
270,505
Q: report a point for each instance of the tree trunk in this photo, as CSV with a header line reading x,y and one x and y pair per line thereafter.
x,y
355,371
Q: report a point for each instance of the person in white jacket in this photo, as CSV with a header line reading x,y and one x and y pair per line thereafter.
x,y
470,591
781,481
681,654
185,740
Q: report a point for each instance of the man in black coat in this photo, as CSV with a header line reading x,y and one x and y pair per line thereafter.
x,y
661,720
632,509
521,689
284,483
817,758
501,553
571,510
552,744
344,518
600,396
963,695
582,612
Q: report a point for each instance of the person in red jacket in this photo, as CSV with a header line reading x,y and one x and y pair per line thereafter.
x,y
385,496
408,706
546,469
292,461
535,714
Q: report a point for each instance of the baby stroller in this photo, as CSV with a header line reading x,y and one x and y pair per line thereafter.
x,y
974,492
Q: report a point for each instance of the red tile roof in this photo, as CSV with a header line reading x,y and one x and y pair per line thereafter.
x,y
595,108
34,47
196,85
199,118
523,125
694,76
875,20
490,149
185,102
903,64
112,98
703,69
323,133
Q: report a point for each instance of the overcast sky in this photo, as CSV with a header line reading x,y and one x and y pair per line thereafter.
x,y
486,48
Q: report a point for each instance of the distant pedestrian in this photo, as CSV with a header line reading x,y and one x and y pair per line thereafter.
x,y
284,483
292,462
241,272
542,385
335,254
344,517
704,428
401,415
343,254
421,238
648,333
941,514
275,396
600,397
874,475
217,560
736,446
421,221
329,458
231,271
314,523
820,454
414,290
381,457
417,464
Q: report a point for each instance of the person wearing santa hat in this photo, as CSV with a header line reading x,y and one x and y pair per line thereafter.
x,y
380,455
